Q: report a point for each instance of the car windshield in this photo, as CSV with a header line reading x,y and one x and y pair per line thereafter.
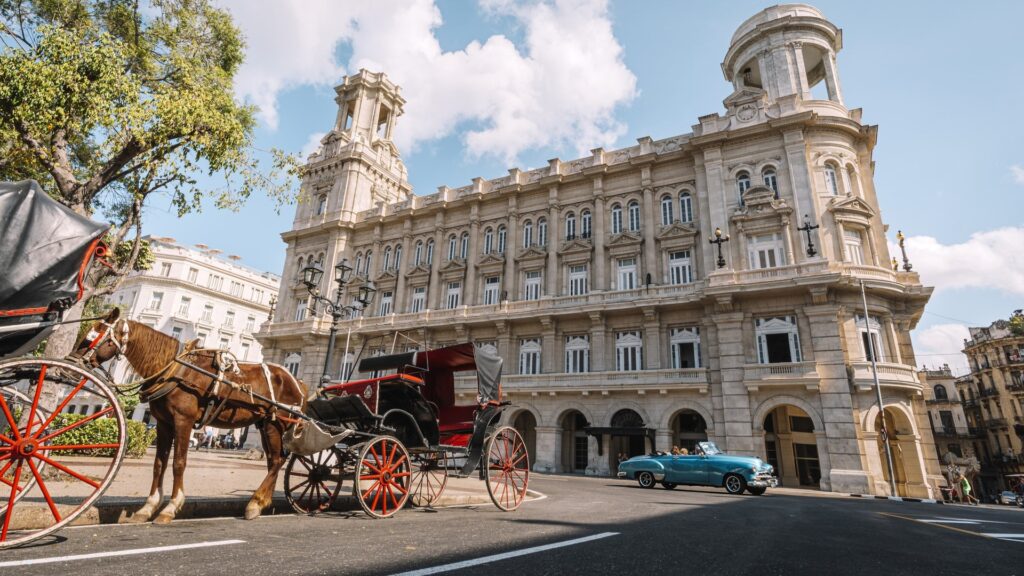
x,y
709,448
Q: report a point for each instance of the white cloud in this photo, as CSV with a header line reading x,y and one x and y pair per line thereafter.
x,y
312,144
990,259
1018,173
561,87
941,344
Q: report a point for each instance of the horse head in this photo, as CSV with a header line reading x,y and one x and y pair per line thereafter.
x,y
105,339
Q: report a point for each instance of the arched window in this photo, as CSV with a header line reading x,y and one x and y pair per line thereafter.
x,y
685,207
488,240
770,180
452,246
570,226
387,258
398,257
430,252
502,235
742,184
542,231
359,262
321,204
940,392
527,234
616,219
417,256
369,262
634,216
464,246
666,210
831,183
585,224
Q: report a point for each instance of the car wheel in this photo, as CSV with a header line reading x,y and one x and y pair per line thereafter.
x,y
645,479
756,490
735,484
669,485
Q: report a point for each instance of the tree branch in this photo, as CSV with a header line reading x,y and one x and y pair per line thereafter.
x,y
65,179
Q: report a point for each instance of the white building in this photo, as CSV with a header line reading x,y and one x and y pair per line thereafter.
x,y
196,293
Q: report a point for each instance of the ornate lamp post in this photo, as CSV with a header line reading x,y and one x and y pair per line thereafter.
x,y
311,276
719,240
808,227
906,263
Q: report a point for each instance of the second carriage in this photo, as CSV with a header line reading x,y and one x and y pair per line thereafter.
x,y
396,439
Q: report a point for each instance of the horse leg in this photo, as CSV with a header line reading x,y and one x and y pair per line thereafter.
x,y
262,497
164,439
182,429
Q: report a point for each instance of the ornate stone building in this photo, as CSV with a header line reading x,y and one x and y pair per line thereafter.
x,y
620,323
992,394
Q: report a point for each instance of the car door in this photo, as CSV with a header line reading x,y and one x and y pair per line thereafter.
x,y
689,469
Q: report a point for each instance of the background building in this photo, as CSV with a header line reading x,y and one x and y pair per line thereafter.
x,y
992,395
620,323
195,293
946,412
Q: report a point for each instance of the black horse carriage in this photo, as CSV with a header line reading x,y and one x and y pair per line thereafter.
x,y
402,435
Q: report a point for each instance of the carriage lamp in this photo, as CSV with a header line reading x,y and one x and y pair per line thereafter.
x,y
342,272
311,276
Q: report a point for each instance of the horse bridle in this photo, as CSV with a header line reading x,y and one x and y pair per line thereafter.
x,y
108,333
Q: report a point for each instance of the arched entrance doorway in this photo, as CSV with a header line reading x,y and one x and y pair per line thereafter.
x,y
575,450
632,445
526,424
905,450
688,428
791,446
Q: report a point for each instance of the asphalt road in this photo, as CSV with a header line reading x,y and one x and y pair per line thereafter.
x,y
583,526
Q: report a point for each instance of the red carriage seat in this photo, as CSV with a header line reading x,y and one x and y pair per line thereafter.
x,y
456,418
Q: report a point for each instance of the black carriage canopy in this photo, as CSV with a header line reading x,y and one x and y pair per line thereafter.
x,y
437,368
44,248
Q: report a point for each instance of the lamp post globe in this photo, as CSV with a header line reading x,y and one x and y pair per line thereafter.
x,y
311,276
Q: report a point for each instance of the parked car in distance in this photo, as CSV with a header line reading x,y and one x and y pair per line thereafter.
x,y
1007,497
708,467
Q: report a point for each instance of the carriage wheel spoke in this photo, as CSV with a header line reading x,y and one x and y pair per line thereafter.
x,y
10,503
60,407
77,446
35,399
42,487
7,440
74,425
302,460
10,419
4,471
300,484
67,470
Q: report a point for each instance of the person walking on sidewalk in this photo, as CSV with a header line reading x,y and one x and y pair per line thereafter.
x,y
965,489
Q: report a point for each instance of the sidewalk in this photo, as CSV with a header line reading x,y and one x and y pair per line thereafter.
x,y
217,483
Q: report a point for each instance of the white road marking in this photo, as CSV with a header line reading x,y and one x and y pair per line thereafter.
x,y
1010,537
944,521
130,552
504,555
949,520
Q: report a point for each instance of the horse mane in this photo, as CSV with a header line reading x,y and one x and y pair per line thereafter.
x,y
148,349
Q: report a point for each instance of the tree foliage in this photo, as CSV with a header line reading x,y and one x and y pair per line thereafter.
x,y
108,102
1017,323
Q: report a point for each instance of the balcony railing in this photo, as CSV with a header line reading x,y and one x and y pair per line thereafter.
x,y
989,392
889,374
996,422
969,403
942,401
945,431
975,432
782,374
585,382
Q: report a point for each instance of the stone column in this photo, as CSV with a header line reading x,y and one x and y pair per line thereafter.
x,y
804,198
552,247
598,237
797,54
511,286
549,348
650,255
504,340
652,339
598,354
713,207
787,235
736,413
835,93
469,289
400,268
549,453
434,289
663,440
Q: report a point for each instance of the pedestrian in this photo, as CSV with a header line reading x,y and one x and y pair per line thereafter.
x,y
684,452
244,436
965,489
209,435
675,450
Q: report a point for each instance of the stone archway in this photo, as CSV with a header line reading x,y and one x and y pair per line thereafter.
x,y
575,445
907,461
791,446
628,445
526,424
688,427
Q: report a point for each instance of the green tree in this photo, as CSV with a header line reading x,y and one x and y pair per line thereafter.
x,y
1017,323
107,103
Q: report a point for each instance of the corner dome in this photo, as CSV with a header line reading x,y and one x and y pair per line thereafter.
x,y
775,13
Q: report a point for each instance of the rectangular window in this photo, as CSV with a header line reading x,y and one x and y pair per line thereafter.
x,y
201,336
454,294
245,351
156,300
387,301
529,356
165,269
532,285
628,351
766,251
578,281
250,323
777,340
871,338
176,333
680,268
627,273
236,289
183,306
224,344
193,274
852,241
229,319
491,289
419,299
257,296
577,354
214,282
207,313
300,309
685,345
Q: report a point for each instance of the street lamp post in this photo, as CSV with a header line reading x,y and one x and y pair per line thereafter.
x,y
906,263
311,276
719,240
807,227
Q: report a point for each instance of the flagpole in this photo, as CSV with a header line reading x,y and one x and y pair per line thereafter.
x,y
878,390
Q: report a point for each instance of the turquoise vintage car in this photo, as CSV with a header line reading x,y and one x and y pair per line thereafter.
x,y
708,467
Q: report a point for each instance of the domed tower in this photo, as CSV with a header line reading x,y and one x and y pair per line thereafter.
x,y
780,55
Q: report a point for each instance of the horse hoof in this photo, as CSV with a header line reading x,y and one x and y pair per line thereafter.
x,y
163,519
252,512
137,519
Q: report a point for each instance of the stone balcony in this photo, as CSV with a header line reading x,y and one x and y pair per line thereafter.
x,y
803,374
635,382
889,375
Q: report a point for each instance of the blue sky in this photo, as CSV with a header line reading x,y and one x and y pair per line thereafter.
x,y
941,80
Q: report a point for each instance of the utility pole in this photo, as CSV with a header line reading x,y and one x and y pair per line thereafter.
x,y
878,390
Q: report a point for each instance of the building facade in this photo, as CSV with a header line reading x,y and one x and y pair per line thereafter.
x,y
992,395
949,424
597,281
195,293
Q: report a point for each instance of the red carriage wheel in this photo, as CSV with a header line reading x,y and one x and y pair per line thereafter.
x,y
508,468
311,483
382,477
43,450
429,477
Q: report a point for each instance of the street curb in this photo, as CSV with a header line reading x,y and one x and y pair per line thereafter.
x,y
899,498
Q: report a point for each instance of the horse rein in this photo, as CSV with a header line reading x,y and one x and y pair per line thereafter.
x,y
98,338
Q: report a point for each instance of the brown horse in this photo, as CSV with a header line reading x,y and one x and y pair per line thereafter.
x,y
180,396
